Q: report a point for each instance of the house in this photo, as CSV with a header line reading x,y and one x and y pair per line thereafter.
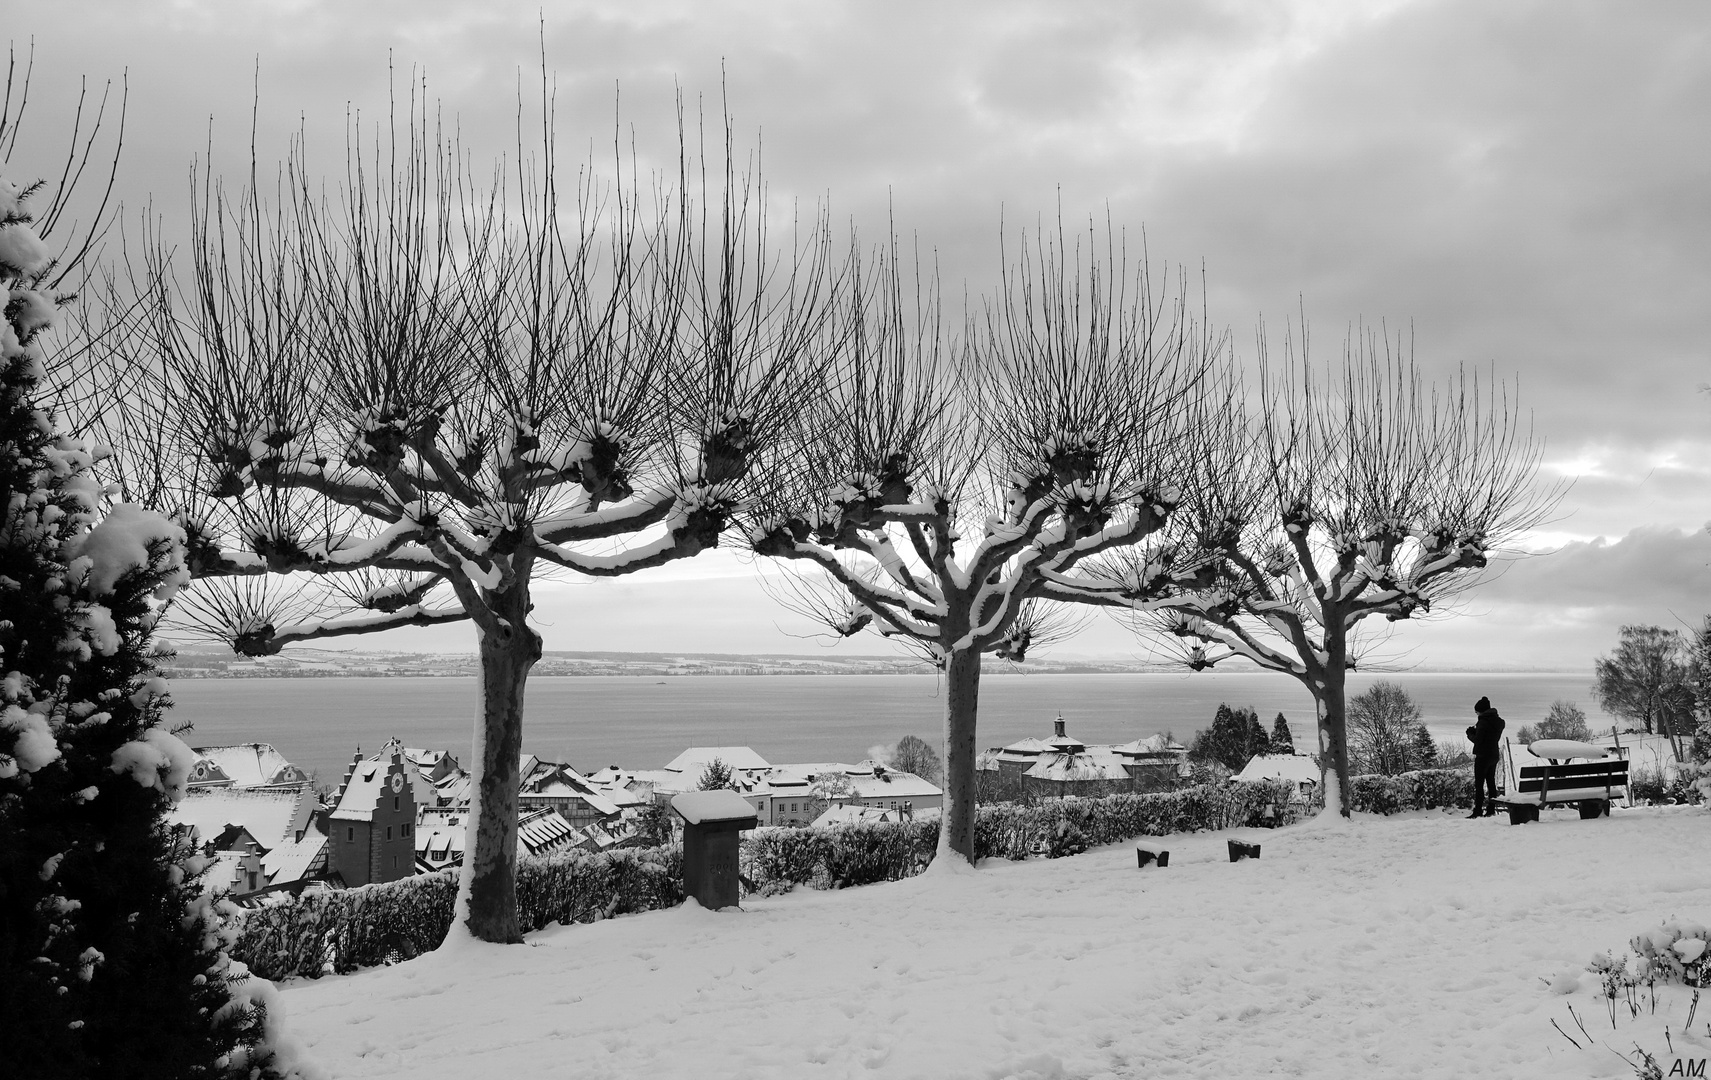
x,y
553,785
855,814
794,794
1063,765
255,766
441,831
262,839
1300,769
371,820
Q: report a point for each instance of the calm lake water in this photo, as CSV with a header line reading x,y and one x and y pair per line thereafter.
x,y
643,723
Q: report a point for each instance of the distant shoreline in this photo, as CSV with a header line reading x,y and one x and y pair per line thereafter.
x,y
333,664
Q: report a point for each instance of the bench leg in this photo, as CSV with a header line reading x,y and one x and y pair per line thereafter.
x,y
1592,808
1518,814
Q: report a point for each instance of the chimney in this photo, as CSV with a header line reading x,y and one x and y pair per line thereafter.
x,y
1057,726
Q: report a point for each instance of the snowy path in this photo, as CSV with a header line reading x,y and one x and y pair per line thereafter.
x,y
1407,947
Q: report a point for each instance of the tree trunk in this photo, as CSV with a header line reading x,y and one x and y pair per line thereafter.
x,y
487,887
962,699
1331,697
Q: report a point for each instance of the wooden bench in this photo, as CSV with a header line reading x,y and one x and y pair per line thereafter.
x,y
1590,784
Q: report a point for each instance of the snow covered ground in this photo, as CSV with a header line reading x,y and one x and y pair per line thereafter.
x,y
1414,946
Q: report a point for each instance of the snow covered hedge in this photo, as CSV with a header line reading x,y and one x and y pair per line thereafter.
x,y
340,931
1424,789
778,859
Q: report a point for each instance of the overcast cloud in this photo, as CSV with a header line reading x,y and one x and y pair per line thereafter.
x,y
1521,186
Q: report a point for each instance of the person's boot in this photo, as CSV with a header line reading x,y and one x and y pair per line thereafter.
x,y
1476,813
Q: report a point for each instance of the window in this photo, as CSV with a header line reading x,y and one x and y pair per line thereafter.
x,y
252,881
350,834
395,799
406,830
389,836
394,862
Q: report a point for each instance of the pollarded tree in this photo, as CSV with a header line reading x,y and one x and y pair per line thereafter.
x,y
403,407
946,489
1334,497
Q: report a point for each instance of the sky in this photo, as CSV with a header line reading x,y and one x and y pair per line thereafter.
x,y
1524,188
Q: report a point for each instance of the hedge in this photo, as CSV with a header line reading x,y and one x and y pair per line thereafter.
x,y
343,930
774,860
346,929
1424,789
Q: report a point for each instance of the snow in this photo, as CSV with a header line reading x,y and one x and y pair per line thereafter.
x,y
1421,945
1560,749
696,807
157,759
120,543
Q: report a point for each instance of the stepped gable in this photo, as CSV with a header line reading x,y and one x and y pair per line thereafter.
x,y
244,765
366,781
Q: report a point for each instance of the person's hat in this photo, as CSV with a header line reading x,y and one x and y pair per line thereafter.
x,y
1482,704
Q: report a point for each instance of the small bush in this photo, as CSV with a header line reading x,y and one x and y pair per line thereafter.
x,y
1678,951
1678,787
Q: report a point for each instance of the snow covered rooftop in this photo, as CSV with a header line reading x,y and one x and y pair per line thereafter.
x,y
1077,767
369,780
271,816
1297,767
541,831
293,860
249,765
696,758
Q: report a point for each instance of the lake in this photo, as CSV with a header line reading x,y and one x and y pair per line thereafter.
x,y
642,723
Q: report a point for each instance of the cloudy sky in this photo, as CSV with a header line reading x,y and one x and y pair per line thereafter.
x,y
1526,185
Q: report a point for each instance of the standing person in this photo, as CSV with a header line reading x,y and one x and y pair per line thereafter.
x,y
1487,749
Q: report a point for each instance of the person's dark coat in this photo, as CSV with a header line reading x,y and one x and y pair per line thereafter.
x,y
1487,735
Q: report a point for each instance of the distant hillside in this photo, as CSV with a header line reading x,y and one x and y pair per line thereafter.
x,y
203,662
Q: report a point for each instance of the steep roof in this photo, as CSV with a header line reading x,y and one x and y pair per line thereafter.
x,y
1297,767
252,764
543,830
368,780
696,759
271,816
1072,768
293,860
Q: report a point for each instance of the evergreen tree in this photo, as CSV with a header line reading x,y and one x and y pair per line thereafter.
x,y
111,960
1235,736
1281,741
1258,741
716,776
1422,751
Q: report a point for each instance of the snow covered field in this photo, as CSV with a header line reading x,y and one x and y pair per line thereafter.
x,y
1412,946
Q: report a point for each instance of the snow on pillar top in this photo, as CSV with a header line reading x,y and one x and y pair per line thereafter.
x,y
696,807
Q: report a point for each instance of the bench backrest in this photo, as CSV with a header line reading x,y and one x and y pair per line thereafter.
x,y
1612,773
